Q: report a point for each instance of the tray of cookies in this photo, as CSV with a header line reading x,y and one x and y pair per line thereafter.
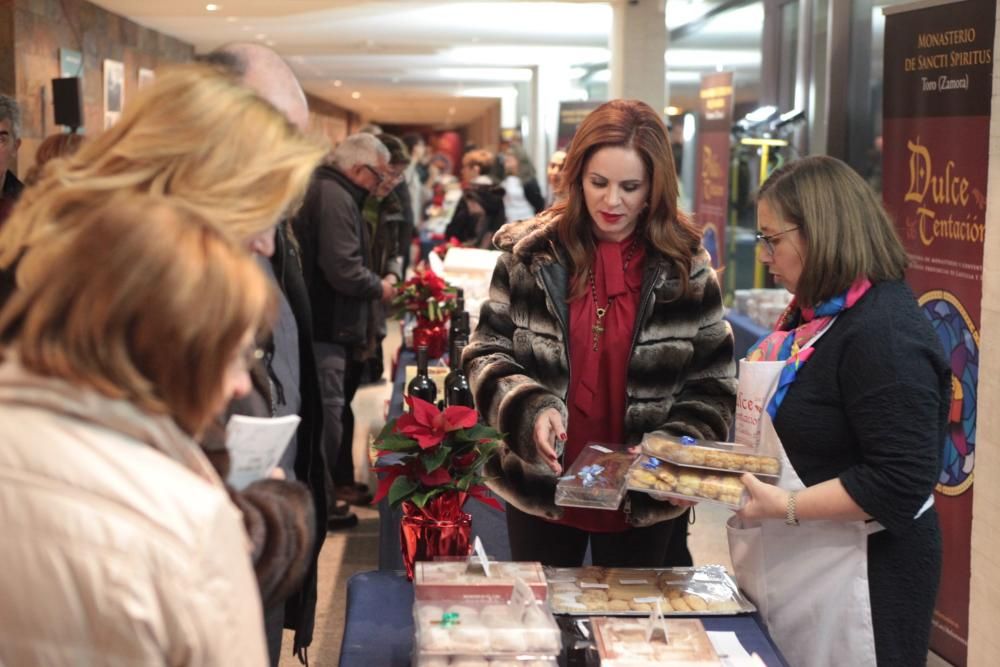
x,y
661,479
621,642
703,590
711,455
485,628
596,479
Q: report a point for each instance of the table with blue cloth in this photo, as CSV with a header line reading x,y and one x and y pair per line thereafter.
x,y
378,630
746,332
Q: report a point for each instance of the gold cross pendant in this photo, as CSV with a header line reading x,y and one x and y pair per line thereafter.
x,y
598,327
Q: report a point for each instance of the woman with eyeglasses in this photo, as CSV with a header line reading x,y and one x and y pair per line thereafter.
x,y
121,544
843,555
604,323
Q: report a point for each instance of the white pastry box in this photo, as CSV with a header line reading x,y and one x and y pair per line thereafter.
x,y
458,580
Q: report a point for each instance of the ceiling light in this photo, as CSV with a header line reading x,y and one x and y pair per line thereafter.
x,y
672,111
232,19
247,28
212,7
270,42
355,95
260,35
451,111
337,83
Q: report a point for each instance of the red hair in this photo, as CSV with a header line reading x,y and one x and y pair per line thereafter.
x,y
630,124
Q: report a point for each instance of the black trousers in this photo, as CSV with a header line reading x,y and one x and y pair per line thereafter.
x,y
660,545
339,379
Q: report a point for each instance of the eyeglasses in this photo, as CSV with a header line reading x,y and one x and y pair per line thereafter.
x,y
376,173
765,241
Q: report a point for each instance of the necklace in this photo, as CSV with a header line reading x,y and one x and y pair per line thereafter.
x,y
598,328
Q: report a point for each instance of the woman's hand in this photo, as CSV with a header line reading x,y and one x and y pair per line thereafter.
x,y
767,501
549,427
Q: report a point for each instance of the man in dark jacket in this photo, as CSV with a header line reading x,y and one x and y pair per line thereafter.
x,y
285,378
10,141
343,284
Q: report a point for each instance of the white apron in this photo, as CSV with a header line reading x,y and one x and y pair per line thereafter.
x,y
810,582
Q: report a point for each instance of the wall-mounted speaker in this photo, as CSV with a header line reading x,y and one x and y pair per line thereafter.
x,y
67,100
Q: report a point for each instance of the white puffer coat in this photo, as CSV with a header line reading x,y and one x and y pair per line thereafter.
x,y
119,544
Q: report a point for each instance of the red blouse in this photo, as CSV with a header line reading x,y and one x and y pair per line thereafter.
x,y
597,390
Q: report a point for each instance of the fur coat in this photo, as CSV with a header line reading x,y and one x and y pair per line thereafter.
x,y
681,373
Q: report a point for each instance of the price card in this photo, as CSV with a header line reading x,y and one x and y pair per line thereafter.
x,y
479,557
655,623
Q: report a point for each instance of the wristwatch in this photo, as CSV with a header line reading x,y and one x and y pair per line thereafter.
x,y
790,518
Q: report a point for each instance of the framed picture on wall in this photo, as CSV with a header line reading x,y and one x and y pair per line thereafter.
x,y
114,91
146,77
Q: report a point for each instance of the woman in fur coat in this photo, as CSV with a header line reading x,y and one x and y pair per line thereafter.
x,y
604,323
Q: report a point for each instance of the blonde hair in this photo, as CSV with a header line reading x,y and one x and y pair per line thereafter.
x,y
196,134
148,302
847,231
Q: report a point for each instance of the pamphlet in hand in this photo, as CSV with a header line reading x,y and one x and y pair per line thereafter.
x,y
255,446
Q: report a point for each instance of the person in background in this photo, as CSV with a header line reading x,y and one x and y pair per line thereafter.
x,y
486,214
847,544
121,543
343,288
10,142
200,137
414,180
553,174
632,342
54,146
477,172
522,197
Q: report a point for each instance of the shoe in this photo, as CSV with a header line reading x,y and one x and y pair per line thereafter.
x,y
341,521
355,494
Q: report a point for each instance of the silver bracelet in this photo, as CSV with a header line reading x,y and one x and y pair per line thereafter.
x,y
790,518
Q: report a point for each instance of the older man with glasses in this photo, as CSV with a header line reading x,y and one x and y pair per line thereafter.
x,y
10,141
344,288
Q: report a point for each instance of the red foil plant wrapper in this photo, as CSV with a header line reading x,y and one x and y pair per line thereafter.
x,y
430,462
431,300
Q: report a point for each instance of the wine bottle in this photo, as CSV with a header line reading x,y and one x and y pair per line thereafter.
x,y
456,386
421,386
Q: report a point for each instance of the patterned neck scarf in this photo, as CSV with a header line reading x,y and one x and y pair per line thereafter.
x,y
796,327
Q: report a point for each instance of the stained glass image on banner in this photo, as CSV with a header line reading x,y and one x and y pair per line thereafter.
x,y
958,335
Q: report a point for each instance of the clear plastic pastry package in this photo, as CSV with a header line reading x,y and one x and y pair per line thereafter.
x,y
458,579
662,479
703,590
711,455
481,661
596,479
521,629
622,642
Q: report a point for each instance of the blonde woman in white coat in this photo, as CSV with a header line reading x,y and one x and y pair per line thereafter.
x,y
131,329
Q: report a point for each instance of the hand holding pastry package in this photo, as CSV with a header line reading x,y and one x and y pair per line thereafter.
x,y
724,456
596,479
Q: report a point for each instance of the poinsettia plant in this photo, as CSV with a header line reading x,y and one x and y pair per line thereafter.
x,y
427,295
436,452
442,248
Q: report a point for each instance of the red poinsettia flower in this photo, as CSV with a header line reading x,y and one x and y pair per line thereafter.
x,y
425,424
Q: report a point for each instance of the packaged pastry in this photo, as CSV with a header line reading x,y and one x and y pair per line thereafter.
x,y
596,479
651,475
457,580
621,642
703,590
726,456
484,628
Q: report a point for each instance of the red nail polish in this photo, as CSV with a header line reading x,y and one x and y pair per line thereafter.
x,y
562,436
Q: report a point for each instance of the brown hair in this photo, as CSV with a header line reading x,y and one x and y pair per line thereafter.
x,y
630,124
847,231
148,302
54,146
481,158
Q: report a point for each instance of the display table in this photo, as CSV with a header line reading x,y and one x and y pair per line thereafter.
x,y
746,332
378,629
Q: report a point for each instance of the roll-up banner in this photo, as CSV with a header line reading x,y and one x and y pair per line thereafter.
x,y
936,109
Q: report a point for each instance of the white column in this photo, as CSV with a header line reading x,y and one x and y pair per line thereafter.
x,y
638,43
549,85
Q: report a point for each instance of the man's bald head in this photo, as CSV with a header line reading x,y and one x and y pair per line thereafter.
x,y
266,72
